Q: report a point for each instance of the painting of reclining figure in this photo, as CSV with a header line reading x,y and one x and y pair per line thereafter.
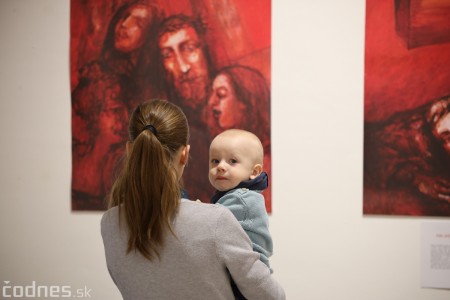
x,y
407,108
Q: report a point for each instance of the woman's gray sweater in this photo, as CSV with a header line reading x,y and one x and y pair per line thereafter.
x,y
192,265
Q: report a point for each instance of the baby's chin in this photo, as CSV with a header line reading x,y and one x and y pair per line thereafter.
x,y
222,188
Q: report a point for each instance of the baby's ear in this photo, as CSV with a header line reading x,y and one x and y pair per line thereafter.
x,y
257,169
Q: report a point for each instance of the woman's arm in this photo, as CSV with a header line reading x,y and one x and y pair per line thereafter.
x,y
249,209
252,276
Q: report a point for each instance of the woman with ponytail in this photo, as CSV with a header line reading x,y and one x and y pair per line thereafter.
x,y
160,246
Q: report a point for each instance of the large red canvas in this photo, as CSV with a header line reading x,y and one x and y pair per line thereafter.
x,y
107,84
406,107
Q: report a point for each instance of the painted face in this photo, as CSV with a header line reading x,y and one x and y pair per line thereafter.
x,y
442,131
185,62
229,163
112,121
226,108
81,138
130,31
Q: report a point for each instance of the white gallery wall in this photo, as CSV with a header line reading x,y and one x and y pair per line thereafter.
x,y
324,247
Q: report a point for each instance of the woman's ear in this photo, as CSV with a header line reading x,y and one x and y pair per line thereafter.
x,y
257,169
185,154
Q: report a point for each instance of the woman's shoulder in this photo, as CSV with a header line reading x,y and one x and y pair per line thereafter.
x,y
111,216
196,211
111,212
200,207
190,214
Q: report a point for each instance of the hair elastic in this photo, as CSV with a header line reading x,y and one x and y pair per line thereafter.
x,y
151,128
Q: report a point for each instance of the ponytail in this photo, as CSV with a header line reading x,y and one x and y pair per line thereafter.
x,y
148,190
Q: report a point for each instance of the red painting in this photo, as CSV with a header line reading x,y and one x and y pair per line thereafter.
x,y
407,108
125,52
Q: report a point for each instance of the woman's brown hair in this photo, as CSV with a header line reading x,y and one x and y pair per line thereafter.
x,y
148,190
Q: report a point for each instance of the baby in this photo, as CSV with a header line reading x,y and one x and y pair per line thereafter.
x,y
235,170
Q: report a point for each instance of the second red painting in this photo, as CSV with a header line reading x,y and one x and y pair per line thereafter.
x,y
407,108
210,57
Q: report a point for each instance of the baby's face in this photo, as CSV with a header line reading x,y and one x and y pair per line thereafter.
x,y
230,162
